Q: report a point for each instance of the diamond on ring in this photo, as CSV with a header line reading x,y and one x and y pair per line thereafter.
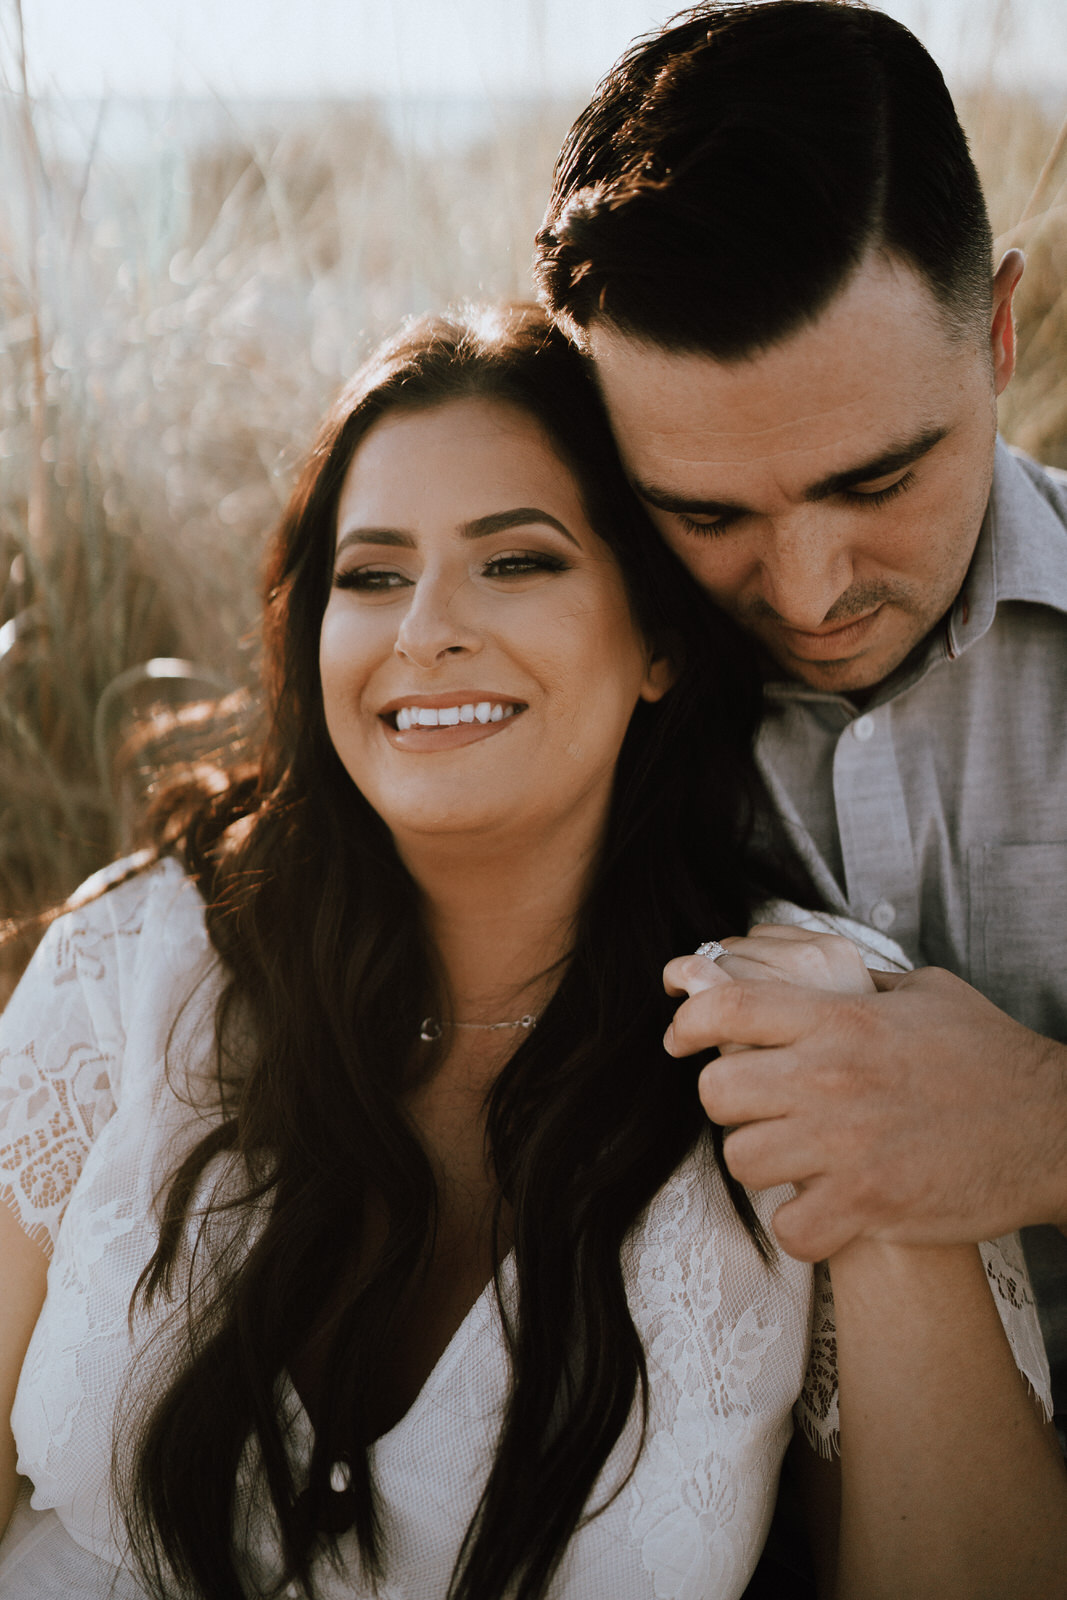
x,y
712,949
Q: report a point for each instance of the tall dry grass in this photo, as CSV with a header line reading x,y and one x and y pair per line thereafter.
x,y
173,319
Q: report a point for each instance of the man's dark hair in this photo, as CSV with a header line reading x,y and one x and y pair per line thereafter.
x,y
732,172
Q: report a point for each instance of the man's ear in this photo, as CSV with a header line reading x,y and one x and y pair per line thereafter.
x,y
1002,329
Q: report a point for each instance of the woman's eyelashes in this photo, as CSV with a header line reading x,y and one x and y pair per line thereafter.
x,y
521,563
370,580
509,564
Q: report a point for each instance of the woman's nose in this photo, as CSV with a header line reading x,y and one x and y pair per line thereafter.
x,y
435,625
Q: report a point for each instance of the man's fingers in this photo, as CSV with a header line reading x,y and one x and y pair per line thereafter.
x,y
744,1013
745,1085
761,1155
810,1227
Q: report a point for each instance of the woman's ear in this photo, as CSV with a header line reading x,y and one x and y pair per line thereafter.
x,y
662,674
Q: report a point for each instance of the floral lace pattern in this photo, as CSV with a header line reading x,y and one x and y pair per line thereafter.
x,y
56,1083
91,1121
721,1359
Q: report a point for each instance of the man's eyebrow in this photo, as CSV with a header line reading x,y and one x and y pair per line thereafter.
x,y
693,505
903,454
479,528
891,460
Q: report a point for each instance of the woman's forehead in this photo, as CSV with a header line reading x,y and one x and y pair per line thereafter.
x,y
459,460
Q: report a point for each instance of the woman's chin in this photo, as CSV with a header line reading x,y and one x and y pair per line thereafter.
x,y
455,819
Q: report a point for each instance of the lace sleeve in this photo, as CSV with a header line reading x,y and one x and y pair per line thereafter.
x,y
816,1410
61,1047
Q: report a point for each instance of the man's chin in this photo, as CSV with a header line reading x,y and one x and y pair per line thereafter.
x,y
857,674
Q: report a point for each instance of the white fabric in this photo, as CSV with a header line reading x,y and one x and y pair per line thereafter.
x,y
101,1049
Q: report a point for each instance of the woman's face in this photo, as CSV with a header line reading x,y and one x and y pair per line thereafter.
x,y
478,656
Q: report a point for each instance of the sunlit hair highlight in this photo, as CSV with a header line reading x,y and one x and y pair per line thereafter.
x,y
736,168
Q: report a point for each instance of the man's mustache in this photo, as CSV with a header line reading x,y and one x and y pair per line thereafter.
x,y
856,601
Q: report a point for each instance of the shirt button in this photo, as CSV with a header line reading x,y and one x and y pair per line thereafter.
x,y
863,728
883,915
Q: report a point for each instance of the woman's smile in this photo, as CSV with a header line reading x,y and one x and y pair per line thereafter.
x,y
447,721
473,604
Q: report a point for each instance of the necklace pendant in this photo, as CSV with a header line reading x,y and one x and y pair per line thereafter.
x,y
430,1029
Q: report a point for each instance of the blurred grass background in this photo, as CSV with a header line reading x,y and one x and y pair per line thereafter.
x,y
177,305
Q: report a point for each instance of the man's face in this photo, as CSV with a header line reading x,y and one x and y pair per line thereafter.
x,y
829,491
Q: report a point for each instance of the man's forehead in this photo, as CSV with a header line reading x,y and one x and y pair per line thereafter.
x,y
869,369
680,416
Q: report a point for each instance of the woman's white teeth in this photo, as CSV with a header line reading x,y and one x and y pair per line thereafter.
x,y
447,716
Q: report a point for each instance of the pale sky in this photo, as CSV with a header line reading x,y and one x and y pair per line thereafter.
x,y
342,47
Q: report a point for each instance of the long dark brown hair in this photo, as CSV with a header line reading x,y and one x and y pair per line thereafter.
x,y
329,971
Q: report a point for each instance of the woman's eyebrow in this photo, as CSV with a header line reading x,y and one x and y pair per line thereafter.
x,y
393,536
521,517
479,528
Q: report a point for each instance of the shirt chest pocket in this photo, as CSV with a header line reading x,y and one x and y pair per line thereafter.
x,y
1018,923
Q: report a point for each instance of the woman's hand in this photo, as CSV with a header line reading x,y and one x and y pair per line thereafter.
x,y
773,953
777,952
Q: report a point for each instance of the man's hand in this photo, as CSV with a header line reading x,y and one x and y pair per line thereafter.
x,y
920,1114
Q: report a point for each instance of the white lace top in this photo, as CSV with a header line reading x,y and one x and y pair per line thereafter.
x,y
89,1125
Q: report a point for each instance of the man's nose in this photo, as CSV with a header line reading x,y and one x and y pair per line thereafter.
x,y
436,623
804,569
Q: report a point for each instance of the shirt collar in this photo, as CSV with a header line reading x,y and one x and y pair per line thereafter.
x,y
1021,552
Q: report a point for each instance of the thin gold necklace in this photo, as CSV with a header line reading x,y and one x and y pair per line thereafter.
x,y
432,1029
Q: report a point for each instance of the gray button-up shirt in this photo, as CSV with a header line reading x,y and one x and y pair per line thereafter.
x,y
938,811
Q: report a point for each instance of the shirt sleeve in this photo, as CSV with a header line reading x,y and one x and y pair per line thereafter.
x,y
816,1412
62,1039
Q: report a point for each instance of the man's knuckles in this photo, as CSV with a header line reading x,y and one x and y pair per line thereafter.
x,y
726,1091
756,1159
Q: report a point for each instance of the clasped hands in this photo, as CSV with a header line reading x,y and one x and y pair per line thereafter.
x,y
904,1107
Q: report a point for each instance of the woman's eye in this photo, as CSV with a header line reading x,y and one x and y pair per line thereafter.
x,y
370,580
521,563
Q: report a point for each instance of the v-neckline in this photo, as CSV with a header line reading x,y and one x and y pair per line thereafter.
x,y
293,1406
